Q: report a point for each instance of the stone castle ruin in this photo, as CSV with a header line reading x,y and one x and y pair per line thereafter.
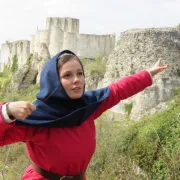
x,y
60,34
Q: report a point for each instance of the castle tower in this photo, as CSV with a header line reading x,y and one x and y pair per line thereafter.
x,y
70,25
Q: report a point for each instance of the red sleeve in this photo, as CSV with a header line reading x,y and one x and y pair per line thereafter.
x,y
9,133
124,88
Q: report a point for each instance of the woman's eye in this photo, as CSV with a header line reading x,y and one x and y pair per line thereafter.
x,y
67,75
80,73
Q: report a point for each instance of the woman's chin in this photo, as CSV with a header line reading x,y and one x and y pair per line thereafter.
x,y
76,95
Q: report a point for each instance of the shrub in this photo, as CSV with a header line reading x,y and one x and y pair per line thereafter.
x,y
128,108
95,67
153,143
28,62
14,67
5,79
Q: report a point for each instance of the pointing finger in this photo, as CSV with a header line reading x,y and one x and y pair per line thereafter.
x,y
159,61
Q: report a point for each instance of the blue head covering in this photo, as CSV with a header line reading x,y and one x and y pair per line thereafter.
x,y
53,106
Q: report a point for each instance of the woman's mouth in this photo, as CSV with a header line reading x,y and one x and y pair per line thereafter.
x,y
76,88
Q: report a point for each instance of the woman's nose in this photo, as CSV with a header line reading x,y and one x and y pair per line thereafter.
x,y
76,80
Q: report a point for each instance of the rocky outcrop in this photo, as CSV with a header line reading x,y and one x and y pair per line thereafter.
x,y
30,72
43,56
24,77
92,80
137,50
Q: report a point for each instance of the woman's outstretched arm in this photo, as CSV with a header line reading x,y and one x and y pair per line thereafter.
x,y
129,86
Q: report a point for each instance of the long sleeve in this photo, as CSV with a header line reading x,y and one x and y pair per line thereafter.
x,y
124,88
130,85
5,116
9,133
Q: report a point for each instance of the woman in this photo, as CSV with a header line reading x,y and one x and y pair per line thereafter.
x,y
60,133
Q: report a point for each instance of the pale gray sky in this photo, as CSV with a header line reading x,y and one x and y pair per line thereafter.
x,y
20,18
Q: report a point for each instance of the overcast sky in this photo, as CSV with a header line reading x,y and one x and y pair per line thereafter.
x,y
20,18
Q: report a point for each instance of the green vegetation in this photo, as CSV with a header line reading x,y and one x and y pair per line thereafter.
x,y
29,60
128,108
6,75
178,72
13,161
152,144
14,67
5,79
28,94
94,66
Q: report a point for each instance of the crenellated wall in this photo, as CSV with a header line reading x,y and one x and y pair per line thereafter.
x,y
66,24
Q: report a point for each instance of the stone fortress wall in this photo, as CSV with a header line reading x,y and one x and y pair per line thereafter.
x,y
60,34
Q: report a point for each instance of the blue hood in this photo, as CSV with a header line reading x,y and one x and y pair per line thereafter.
x,y
53,106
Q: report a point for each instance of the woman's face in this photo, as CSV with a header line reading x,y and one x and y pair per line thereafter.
x,y
72,78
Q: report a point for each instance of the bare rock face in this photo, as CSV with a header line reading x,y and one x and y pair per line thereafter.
x,y
24,77
43,56
92,80
29,78
43,51
30,72
137,50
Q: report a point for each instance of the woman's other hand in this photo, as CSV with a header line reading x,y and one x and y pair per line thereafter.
x,y
20,109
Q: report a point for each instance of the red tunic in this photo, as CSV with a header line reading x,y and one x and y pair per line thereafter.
x,y
68,150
